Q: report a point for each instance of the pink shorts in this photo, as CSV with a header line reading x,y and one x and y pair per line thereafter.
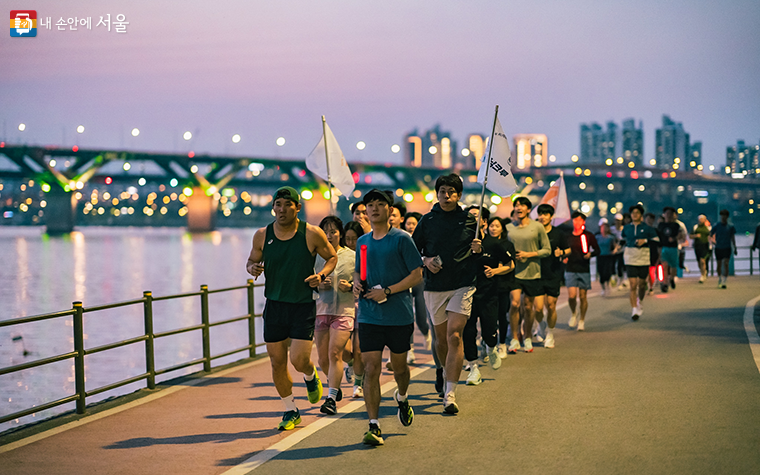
x,y
325,322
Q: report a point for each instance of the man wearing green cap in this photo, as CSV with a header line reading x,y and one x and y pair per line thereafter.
x,y
285,251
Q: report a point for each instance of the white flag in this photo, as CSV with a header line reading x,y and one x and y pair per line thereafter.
x,y
556,196
340,174
500,178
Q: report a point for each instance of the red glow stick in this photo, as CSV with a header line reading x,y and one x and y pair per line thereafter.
x,y
363,262
584,244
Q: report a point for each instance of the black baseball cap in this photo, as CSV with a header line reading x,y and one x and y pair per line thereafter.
x,y
375,194
287,192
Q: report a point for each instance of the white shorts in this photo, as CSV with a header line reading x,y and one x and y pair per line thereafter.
x,y
457,301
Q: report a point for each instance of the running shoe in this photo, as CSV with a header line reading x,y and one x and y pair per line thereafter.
x,y
528,346
501,350
537,334
549,340
581,325
405,412
373,436
635,314
349,372
410,356
450,404
314,388
514,345
290,420
439,381
358,392
573,321
664,288
339,396
723,285
473,379
673,282
702,279
494,361
329,407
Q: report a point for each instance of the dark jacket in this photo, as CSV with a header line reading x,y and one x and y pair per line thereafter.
x,y
575,261
447,234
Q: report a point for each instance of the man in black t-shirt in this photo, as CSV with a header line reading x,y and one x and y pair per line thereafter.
x,y
551,274
670,232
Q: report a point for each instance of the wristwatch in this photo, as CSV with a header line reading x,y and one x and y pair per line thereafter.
x,y
322,277
387,291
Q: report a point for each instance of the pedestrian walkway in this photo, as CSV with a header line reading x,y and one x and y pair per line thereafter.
x,y
676,392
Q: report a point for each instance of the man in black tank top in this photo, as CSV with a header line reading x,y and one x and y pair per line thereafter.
x,y
285,252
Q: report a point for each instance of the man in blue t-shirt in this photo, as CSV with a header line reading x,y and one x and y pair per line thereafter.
x,y
393,266
723,236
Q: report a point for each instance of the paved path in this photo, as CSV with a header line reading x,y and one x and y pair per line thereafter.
x,y
676,392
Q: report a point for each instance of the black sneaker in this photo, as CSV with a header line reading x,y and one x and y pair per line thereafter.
x,y
439,381
373,436
340,395
329,407
672,283
664,288
405,412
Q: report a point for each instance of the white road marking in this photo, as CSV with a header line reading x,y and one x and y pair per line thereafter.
x,y
749,327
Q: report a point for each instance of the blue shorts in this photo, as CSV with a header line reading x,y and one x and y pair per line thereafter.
x,y
669,255
582,280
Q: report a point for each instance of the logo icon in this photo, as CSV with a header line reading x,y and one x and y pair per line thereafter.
x,y
23,23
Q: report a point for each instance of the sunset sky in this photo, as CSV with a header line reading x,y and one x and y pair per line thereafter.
x,y
379,69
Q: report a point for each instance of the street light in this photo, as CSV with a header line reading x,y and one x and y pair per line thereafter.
x,y
280,141
236,138
21,127
135,132
80,129
187,135
361,145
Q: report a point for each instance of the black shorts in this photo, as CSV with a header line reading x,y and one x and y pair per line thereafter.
x,y
701,249
531,288
376,337
637,272
550,287
283,320
723,253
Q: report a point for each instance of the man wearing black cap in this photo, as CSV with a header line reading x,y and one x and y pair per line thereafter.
x,y
392,267
285,251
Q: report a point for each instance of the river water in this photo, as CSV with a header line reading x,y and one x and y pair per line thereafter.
x,y
101,265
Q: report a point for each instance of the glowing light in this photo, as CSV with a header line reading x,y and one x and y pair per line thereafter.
x,y
247,210
141,182
496,199
610,186
675,166
430,196
642,187
528,180
80,185
45,187
194,169
126,166
399,192
52,163
190,154
187,191
21,127
135,132
108,180
672,174
187,135
552,158
236,138
43,203
653,162
280,141
211,191
326,194
679,211
582,186
574,158
692,164
587,172
433,150
80,129
307,195
465,152
676,160
173,182
408,197
395,148
360,145
634,174
608,162
578,171
619,160
728,169
631,164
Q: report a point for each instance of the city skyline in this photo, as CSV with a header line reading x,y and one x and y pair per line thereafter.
x,y
378,72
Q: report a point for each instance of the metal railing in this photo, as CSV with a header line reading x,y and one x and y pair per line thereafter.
x,y
80,352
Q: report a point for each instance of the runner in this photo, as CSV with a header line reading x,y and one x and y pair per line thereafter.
x,y
393,266
354,368
638,237
670,233
505,283
701,237
335,312
578,271
605,262
531,245
446,237
551,271
617,230
723,236
420,312
485,302
285,252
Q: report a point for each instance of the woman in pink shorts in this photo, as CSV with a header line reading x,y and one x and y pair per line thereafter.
x,y
335,313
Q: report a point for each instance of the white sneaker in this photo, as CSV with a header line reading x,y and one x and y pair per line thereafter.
x,y
549,340
358,392
473,379
493,359
349,372
450,404
573,321
537,333
528,345
514,345
635,313
410,356
702,279
429,340
501,350
581,325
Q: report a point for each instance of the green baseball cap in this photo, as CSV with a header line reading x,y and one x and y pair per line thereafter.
x,y
287,192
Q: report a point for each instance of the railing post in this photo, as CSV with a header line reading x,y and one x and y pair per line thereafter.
x,y
150,361
79,358
750,260
251,320
206,333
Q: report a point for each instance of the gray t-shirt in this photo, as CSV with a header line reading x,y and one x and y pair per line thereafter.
x,y
335,301
529,238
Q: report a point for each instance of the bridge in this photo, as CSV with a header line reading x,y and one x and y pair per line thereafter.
x,y
675,392
63,187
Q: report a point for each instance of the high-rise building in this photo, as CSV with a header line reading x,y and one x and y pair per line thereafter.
x,y
476,149
609,142
591,140
742,158
695,157
531,150
433,149
671,144
633,142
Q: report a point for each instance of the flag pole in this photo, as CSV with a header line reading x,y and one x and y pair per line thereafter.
x,y
488,165
327,161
